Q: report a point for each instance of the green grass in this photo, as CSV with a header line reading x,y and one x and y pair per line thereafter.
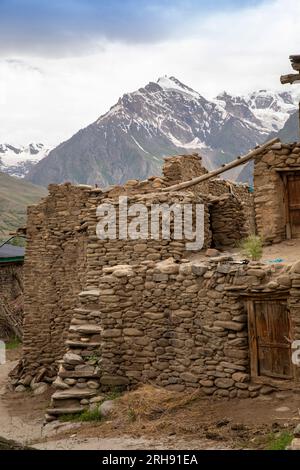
x,y
252,247
13,343
85,416
114,393
279,442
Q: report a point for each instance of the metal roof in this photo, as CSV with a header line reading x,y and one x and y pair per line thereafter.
x,y
11,254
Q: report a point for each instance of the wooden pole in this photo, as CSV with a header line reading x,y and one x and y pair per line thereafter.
x,y
223,168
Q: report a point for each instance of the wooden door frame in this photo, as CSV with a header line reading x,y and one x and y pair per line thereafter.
x,y
284,173
253,344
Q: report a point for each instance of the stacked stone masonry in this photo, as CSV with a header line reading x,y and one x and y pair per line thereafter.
x,y
269,174
177,325
103,312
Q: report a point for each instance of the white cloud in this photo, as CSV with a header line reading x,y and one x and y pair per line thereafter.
x,y
50,99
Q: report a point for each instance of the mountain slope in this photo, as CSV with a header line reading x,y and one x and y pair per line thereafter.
x,y
163,118
17,160
290,131
15,196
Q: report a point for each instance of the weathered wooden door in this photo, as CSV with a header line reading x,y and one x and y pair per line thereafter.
x,y
294,203
269,333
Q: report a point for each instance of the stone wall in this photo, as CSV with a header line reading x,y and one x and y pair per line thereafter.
x,y
179,325
64,254
54,274
228,221
269,190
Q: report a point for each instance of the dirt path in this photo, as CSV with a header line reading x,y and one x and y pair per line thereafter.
x,y
15,426
164,420
22,416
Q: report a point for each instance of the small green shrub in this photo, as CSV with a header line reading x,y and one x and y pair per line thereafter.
x,y
252,247
279,442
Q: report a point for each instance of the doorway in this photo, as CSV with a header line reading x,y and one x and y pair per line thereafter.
x,y
269,338
291,182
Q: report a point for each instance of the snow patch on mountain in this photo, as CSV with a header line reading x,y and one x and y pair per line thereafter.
x,y
17,160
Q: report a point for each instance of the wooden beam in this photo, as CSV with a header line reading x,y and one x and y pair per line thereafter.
x,y
291,78
295,61
228,166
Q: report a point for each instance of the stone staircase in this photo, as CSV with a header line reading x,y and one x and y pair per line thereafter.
x,y
78,381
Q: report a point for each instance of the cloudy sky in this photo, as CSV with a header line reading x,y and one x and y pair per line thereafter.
x,y
63,63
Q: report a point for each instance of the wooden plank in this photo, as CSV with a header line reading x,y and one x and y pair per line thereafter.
x,y
252,339
294,203
238,161
290,78
288,232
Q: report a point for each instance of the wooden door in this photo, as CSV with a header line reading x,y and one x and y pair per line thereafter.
x,y
294,203
269,330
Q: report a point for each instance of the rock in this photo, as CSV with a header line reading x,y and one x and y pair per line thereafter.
x,y
189,377
20,388
211,252
40,388
223,268
114,380
295,444
266,390
296,268
73,393
26,381
72,359
199,269
168,266
106,407
132,332
224,383
206,383
260,273
97,399
93,384
297,431
283,409
229,325
284,280
240,377
59,383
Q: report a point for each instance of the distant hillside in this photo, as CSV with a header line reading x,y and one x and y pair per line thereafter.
x,y
15,196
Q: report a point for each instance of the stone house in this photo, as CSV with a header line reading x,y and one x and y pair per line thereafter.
x,y
104,313
277,193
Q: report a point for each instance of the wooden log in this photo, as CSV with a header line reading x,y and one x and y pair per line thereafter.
x,y
223,168
291,78
295,61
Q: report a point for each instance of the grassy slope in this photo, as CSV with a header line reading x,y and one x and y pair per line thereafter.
x,y
15,195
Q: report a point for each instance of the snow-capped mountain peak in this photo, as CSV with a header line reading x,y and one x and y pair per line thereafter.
x,y
17,160
173,84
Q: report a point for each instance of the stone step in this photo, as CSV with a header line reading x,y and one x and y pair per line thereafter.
x,y
64,411
88,329
79,344
77,374
74,393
